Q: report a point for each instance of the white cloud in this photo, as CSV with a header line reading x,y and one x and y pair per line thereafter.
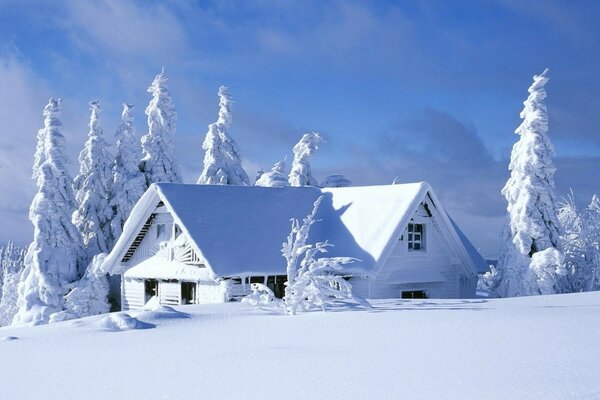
x,y
21,101
125,28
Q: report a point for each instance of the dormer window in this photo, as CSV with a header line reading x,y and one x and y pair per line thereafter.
x,y
416,237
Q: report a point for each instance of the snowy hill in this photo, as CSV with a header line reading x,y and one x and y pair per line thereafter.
x,y
542,347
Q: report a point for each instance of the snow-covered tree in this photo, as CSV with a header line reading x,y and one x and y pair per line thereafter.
x,y
158,161
129,184
93,187
301,175
11,267
89,295
531,260
222,159
274,178
581,243
53,259
336,181
312,282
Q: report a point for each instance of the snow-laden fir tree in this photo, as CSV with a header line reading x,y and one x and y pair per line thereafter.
x,y
531,260
222,158
93,187
158,160
89,295
274,178
301,174
312,282
129,184
581,243
53,259
11,267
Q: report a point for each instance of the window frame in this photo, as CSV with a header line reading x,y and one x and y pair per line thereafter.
x,y
414,244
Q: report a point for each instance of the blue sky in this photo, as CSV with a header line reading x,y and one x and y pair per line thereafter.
x,y
427,90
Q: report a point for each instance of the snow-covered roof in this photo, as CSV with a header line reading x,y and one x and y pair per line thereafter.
x,y
157,267
239,230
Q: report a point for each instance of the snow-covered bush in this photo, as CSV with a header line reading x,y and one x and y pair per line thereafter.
x,y
336,181
301,174
129,184
312,282
93,189
222,159
89,295
261,296
53,259
274,178
11,267
532,225
158,161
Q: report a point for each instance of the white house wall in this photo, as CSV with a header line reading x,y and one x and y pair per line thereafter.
x,y
134,294
438,256
169,293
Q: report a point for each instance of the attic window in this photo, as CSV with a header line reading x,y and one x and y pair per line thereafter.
x,y
416,237
160,231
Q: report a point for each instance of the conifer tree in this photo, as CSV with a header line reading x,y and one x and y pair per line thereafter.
x,y
93,189
301,174
222,159
158,160
54,258
129,183
531,260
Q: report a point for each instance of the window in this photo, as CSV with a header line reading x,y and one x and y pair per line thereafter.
x,y
188,292
150,289
160,230
414,294
177,231
416,236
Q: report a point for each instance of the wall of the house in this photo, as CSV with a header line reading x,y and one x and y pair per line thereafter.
x,y
149,245
439,255
133,294
169,293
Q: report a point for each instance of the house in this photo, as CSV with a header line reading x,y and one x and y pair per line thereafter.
x,y
208,243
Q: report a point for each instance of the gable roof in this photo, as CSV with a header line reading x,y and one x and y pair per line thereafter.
x,y
239,230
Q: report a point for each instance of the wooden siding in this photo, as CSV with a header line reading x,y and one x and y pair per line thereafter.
x,y
133,294
438,256
169,293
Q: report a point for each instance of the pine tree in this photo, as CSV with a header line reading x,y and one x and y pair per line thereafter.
x,y
11,267
93,189
158,161
53,259
129,184
222,159
531,260
581,243
301,174
274,178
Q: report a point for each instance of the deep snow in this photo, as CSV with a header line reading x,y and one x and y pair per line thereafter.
x,y
542,347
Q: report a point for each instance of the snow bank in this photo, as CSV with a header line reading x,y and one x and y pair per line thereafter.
x,y
534,348
121,322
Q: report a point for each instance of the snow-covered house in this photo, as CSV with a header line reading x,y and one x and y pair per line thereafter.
x,y
208,243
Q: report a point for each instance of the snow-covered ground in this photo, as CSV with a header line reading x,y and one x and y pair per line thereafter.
x,y
545,347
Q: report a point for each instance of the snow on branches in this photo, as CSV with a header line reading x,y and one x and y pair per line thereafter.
x,y
274,178
93,188
53,259
312,282
158,161
301,174
222,158
532,225
129,183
